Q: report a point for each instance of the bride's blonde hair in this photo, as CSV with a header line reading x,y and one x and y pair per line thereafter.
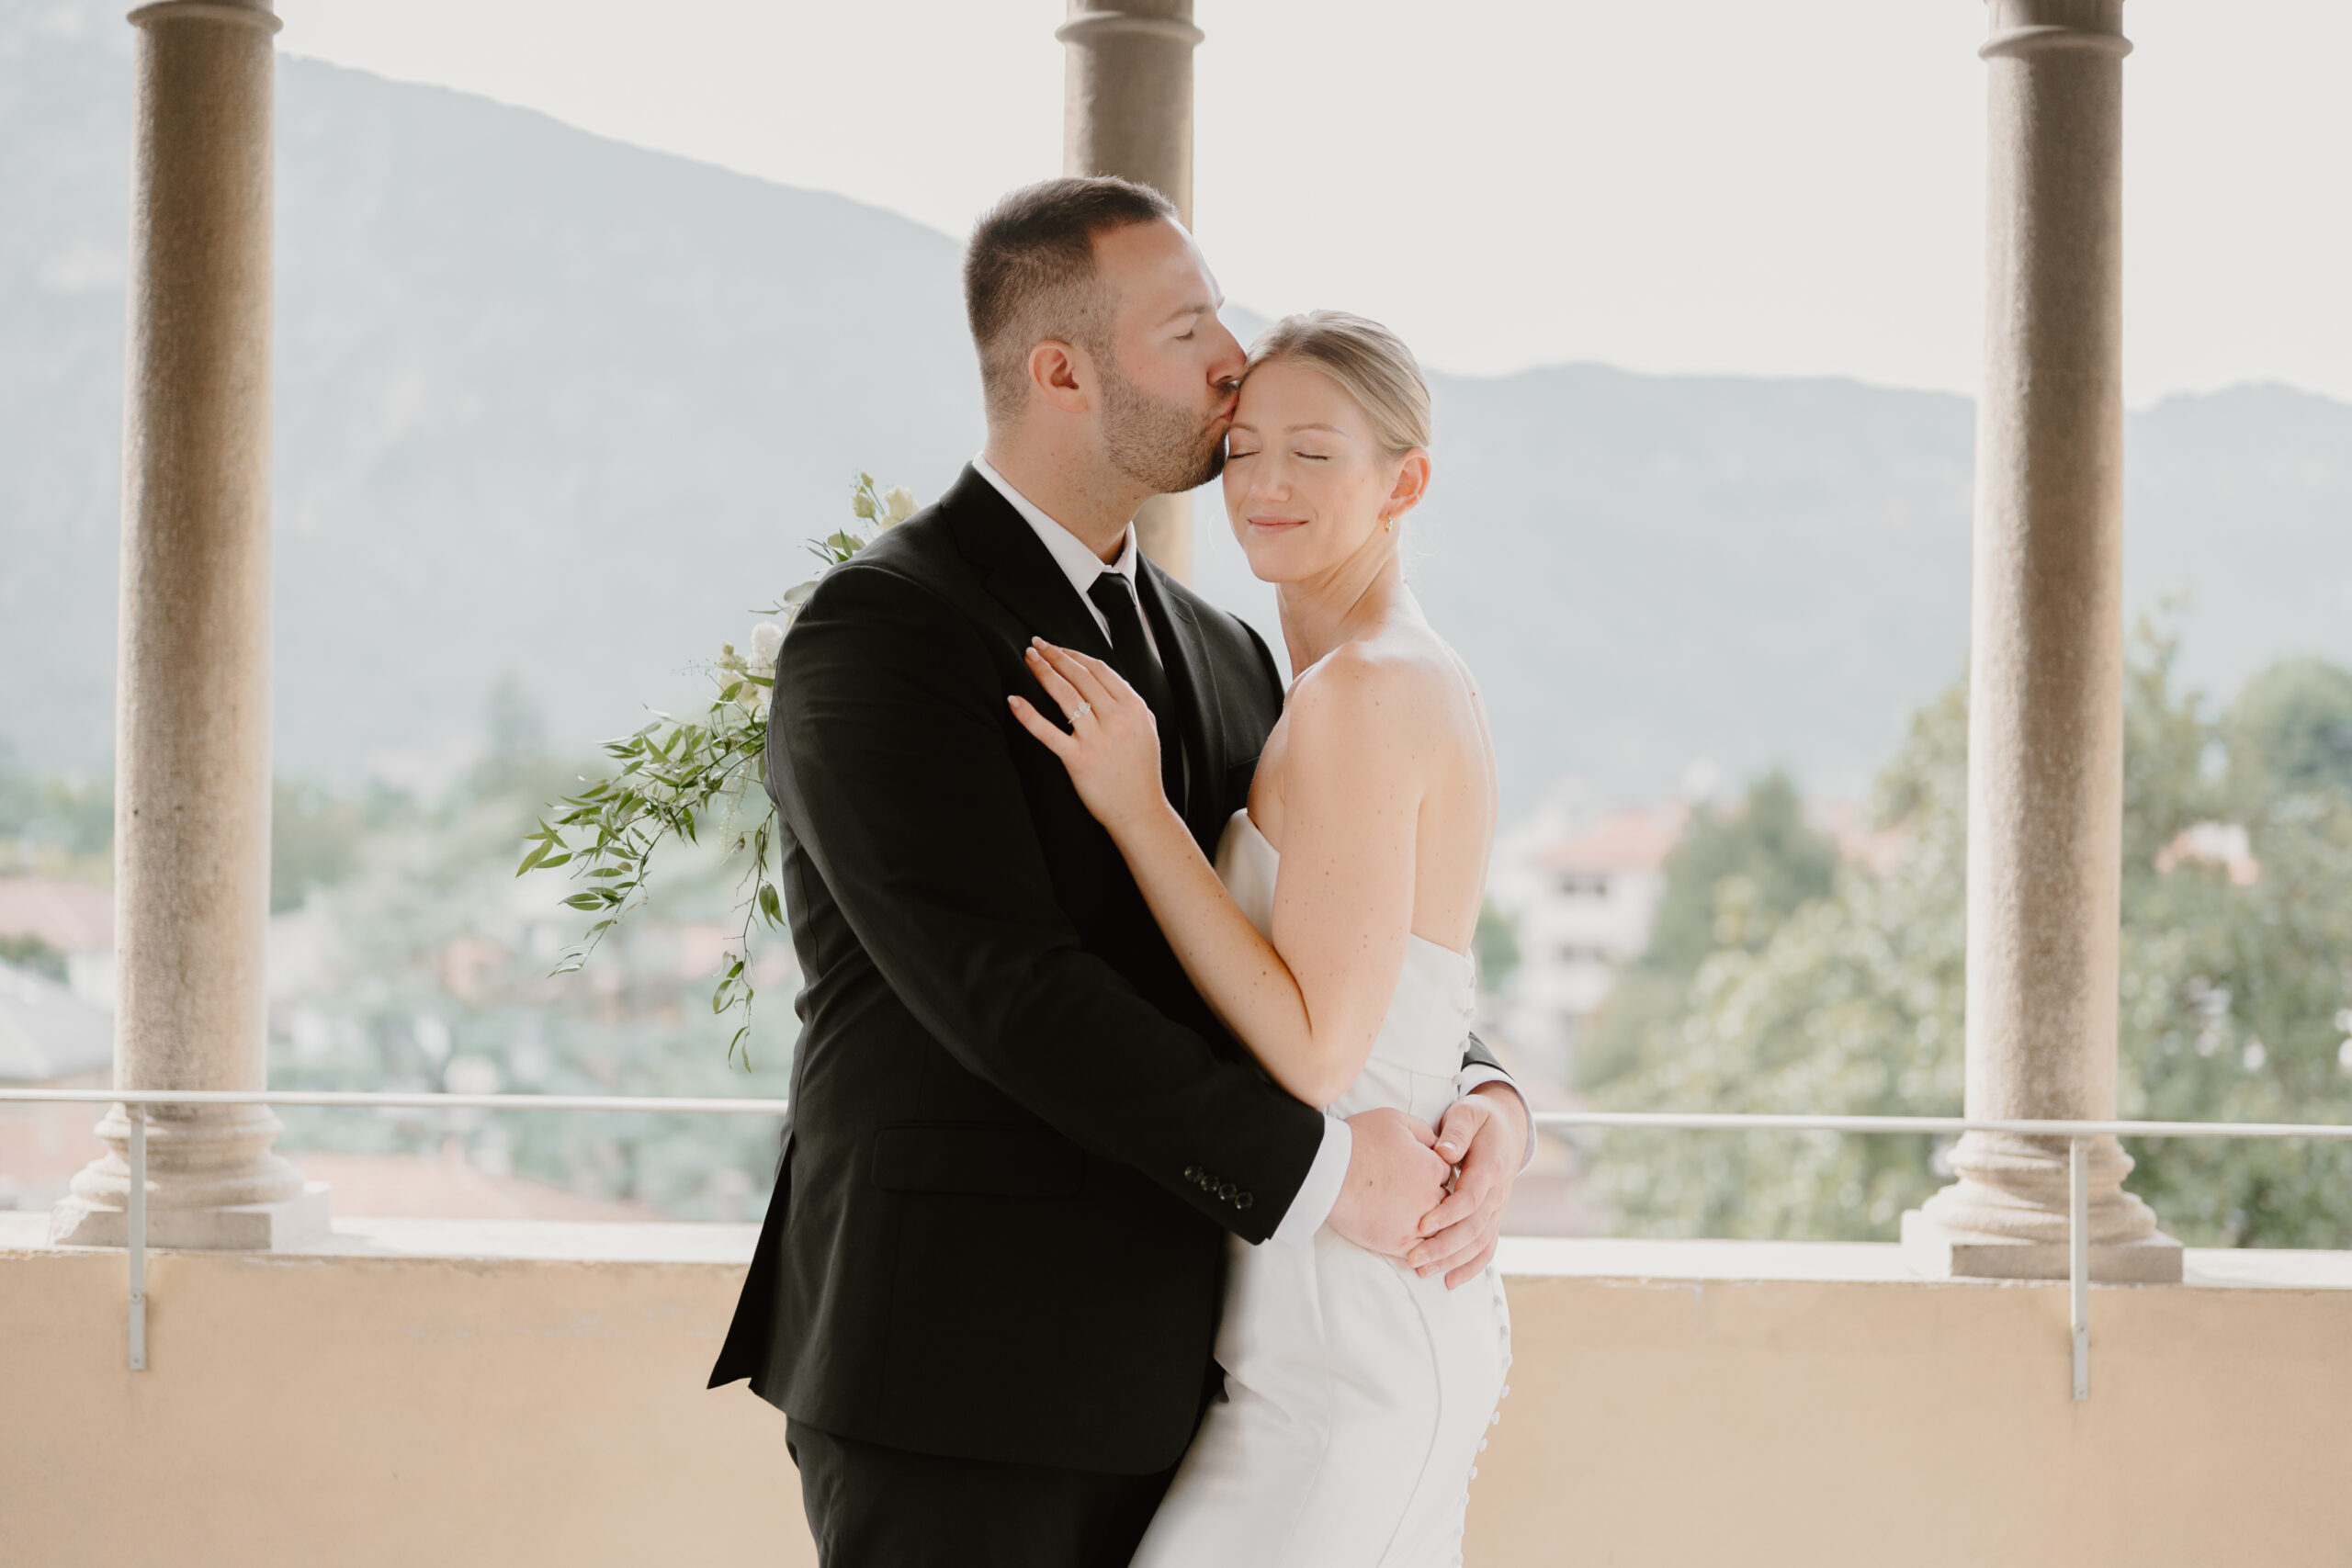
x,y
1371,364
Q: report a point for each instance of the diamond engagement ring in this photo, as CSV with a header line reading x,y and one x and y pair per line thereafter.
x,y
1080,711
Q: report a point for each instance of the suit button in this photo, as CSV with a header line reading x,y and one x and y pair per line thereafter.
x,y
1192,1173
1226,1190
1242,1199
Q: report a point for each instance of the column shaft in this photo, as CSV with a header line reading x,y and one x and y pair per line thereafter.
x,y
2045,737
1128,110
192,736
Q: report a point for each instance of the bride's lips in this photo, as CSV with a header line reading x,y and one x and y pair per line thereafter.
x,y
1275,524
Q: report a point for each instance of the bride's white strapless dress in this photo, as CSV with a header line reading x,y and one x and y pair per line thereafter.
x,y
1358,1393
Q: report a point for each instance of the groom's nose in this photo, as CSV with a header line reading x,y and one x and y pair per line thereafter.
x,y
1231,360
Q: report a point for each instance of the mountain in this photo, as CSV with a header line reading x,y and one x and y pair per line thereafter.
x,y
560,409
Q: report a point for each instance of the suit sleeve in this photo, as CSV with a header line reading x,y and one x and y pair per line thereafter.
x,y
890,752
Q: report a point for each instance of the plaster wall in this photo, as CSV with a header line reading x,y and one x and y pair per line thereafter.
x,y
503,1393
1676,1405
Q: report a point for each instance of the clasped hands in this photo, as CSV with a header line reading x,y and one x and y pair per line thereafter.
x,y
1395,1201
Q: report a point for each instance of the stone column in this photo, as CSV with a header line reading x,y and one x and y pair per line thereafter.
x,y
2046,724
1128,110
192,774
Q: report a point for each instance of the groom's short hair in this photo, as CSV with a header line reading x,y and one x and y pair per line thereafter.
x,y
1029,273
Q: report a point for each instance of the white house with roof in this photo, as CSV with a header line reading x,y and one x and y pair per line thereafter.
x,y
1581,900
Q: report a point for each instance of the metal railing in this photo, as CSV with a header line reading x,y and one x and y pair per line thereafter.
x,y
135,1102
2077,1136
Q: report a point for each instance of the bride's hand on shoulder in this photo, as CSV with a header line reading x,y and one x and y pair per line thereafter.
x,y
1112,747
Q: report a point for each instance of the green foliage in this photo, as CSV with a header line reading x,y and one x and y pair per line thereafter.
x,y
67,824
1495,947
47,819
1734,876
30,952
2236,997
676,779
1852,1004
2294,721
430,975
517,745
1731,881
314,836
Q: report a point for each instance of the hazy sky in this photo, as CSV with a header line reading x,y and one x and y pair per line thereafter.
x,y
1702,186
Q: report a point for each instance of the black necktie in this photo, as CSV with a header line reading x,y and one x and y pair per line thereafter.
x,y
1131,657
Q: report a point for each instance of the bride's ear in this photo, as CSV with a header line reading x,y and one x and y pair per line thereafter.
x,y
1412,484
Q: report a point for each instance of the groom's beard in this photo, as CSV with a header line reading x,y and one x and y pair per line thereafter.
x,y
1167,446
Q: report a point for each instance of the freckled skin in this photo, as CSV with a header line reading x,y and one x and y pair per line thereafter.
x,y
1377,785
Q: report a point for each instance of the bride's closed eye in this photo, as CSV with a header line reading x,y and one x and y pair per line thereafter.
x,y
1235,454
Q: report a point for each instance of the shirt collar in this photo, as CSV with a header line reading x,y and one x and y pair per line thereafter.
x,y
1081,565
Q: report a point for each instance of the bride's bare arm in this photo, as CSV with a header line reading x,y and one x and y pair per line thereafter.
x,y
1310,1003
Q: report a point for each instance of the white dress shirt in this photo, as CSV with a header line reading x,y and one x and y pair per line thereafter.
x,y
1319,1193
1079,563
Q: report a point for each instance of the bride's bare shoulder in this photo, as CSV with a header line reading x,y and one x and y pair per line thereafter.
x,y
1376,690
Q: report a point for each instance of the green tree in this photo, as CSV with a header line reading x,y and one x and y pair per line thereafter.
x,y
315,837
28,952
1731,881
1495,947
2294,721
2234,991
54,818
516,754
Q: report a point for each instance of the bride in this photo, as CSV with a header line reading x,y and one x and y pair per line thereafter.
x,y
1332,937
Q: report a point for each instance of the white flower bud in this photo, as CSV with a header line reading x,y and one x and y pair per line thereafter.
x,y
766,637
861,504
900,504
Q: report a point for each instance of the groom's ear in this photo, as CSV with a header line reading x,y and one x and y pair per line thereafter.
x,y
1062,375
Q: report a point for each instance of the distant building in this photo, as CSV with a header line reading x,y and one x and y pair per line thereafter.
x,y
1581,903
72,918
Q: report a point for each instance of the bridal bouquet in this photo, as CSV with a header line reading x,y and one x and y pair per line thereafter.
x,y
677,778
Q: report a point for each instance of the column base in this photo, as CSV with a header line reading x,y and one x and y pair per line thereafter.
x,y
241,1227
1936,1253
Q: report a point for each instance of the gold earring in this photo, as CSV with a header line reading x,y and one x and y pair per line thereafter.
x,y
1387,524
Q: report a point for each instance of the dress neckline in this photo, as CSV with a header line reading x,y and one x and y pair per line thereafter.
x,y
1249,826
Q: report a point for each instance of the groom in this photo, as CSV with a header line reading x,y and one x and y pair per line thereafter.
x,y
987,1288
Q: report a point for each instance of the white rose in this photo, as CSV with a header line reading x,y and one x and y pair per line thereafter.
x,y
899,504
766,637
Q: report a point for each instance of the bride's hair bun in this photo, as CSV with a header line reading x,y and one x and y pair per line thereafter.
x,y
1371,364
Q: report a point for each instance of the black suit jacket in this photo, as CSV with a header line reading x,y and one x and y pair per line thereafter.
x,y
1018,1136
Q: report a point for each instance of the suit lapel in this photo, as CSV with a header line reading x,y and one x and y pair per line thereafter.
x,y
1191,675
1020,573
1017,570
